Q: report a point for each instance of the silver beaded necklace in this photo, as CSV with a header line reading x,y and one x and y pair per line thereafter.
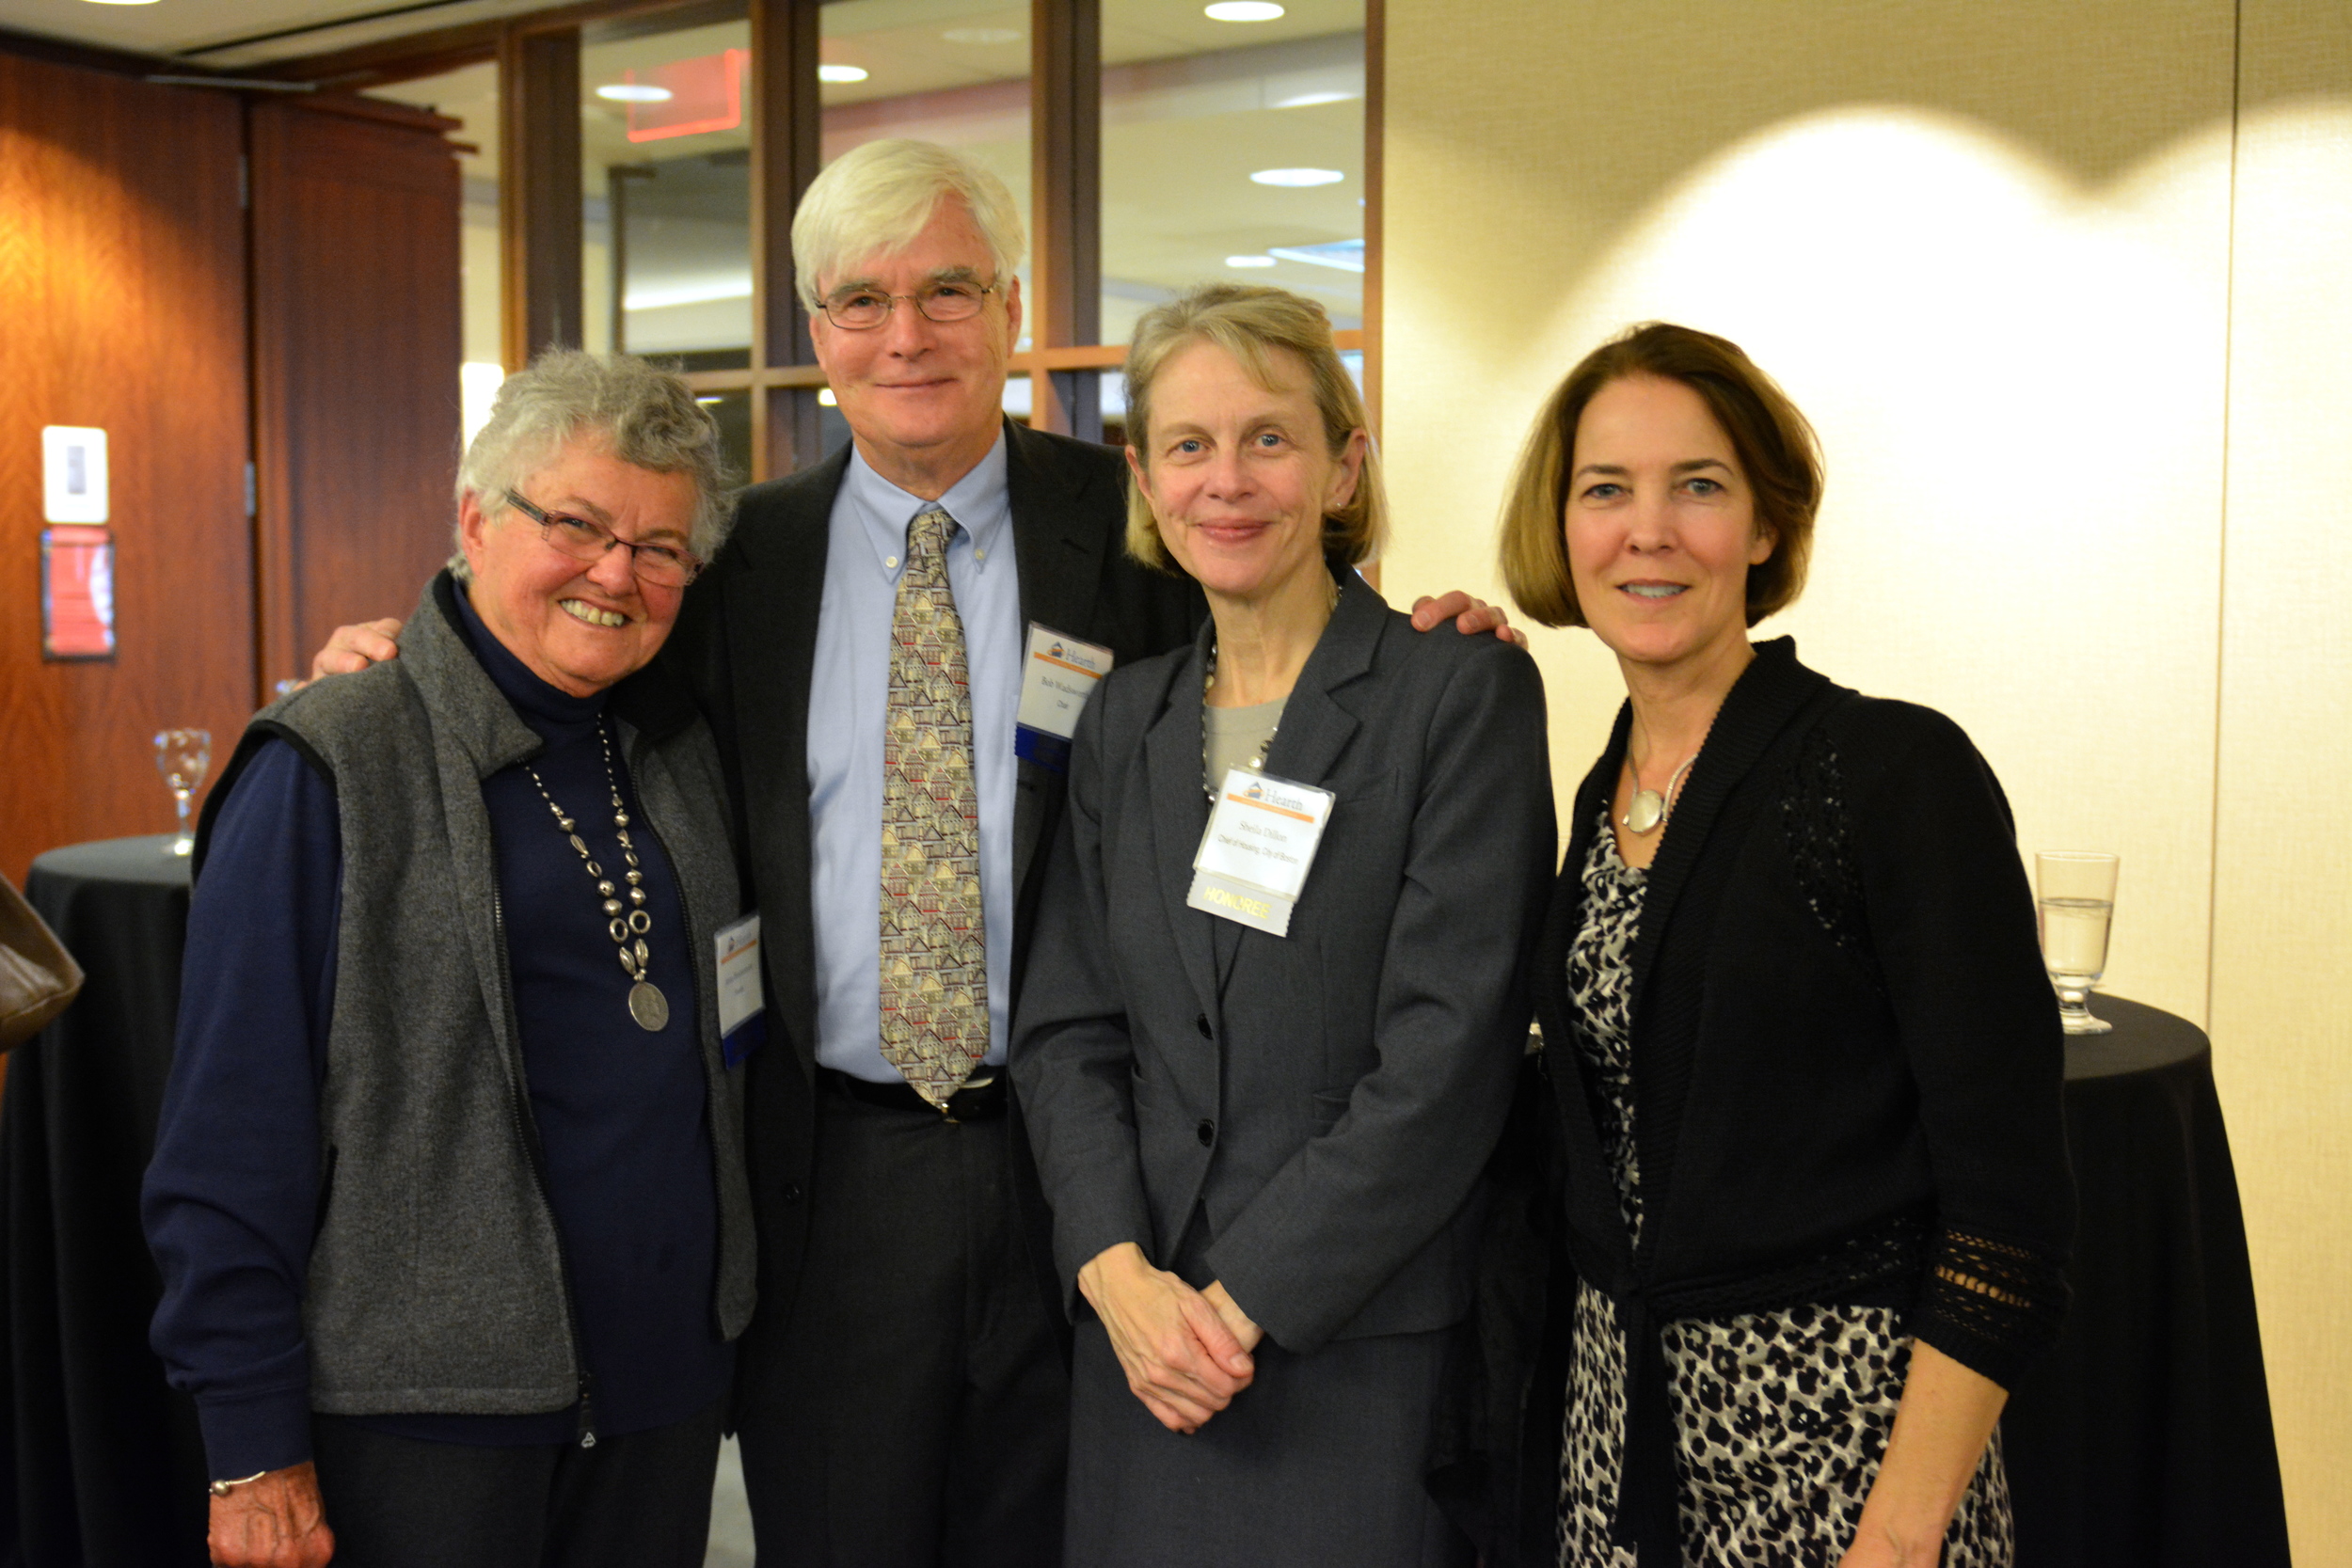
x,y
627,923
1256,763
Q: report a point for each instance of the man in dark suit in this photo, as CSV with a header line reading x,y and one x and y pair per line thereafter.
x,y
902,1394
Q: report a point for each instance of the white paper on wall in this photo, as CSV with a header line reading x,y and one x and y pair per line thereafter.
x,y
74,474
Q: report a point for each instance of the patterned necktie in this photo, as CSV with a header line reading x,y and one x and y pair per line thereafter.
x,y
935,971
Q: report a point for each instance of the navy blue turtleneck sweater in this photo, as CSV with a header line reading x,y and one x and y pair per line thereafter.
x,y
233,1194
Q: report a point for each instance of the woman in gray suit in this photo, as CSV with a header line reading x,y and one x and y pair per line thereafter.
x,y
1261,1091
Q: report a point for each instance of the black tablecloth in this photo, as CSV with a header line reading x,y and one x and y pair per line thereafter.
x,y
108,1467
2144,1440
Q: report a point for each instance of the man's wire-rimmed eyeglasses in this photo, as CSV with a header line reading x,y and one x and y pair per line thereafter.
x,y
663,565
863,309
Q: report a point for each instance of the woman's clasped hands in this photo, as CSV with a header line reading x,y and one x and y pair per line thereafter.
x,y
1185,1352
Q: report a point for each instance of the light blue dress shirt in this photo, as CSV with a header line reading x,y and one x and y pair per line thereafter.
x,y
849,690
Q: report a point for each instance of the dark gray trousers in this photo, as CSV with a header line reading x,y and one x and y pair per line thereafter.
x,y
639,1500
916,1411
1318,1463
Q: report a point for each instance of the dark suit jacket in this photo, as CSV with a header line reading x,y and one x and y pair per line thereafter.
x,y
747,638
1328,1098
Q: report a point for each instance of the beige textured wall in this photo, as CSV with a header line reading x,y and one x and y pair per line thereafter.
x,y
1989,249
2283,915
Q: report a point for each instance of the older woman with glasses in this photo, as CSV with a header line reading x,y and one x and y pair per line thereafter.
x,y
448,1192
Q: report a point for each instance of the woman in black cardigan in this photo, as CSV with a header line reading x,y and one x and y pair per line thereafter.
x,y
1806,1061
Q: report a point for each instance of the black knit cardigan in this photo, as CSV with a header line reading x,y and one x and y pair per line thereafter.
x,y
1846,1055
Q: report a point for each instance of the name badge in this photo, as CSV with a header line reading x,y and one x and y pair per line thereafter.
x,y
1254,857
1056,679
742,1003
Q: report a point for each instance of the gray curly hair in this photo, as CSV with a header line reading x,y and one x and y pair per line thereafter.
x,y
645,415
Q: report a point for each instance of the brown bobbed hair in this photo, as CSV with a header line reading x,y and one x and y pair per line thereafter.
x,y
1774,444
1252,322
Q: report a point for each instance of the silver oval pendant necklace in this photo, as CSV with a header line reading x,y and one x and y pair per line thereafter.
x,y
1650,808
628,924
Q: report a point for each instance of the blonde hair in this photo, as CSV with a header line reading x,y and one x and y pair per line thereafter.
x,y
1253,323
876,198
1778,449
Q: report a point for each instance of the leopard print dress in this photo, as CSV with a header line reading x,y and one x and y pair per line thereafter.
x,y
1780,1417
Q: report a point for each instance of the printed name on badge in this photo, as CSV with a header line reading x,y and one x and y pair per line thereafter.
x,y
1260,841
742,1002
1057,678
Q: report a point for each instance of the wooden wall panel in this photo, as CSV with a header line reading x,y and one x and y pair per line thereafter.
x,y
355,346
787,153
539,216
1065,308
122,306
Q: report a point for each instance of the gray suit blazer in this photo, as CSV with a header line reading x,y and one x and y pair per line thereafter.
x,y
1327,1098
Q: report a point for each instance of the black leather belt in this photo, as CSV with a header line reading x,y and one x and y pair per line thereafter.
x,y
982,1098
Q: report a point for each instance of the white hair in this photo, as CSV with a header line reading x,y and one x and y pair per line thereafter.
x,y
644,415
876,198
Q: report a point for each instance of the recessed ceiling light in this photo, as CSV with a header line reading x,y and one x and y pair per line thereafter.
x,y
633,92
982,35
1299,177
825,398
1304,99
841,73
1249,261
1244,10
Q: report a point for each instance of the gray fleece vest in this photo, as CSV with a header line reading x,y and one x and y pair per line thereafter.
x,y
437,1279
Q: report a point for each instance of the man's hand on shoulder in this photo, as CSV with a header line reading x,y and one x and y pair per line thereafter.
x,y
276,1520
1469,616
352,649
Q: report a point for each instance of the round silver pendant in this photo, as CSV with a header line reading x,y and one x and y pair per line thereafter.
x,y
1647,811
647,1005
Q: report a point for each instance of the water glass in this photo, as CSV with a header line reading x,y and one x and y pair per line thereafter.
x,y
183,758
2074,894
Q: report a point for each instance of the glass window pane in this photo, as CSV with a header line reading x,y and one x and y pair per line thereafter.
x,y
471,95
1114,395
1020,401
1231,149
951,71
832,430
665,165
733,412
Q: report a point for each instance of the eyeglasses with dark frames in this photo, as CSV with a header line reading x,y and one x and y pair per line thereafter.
x,y
863,310
585,540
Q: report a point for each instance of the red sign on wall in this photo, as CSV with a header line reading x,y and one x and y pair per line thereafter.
x,y
706,94
77,593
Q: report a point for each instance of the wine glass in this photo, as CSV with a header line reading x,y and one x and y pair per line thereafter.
x,y
183,758
2074,894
